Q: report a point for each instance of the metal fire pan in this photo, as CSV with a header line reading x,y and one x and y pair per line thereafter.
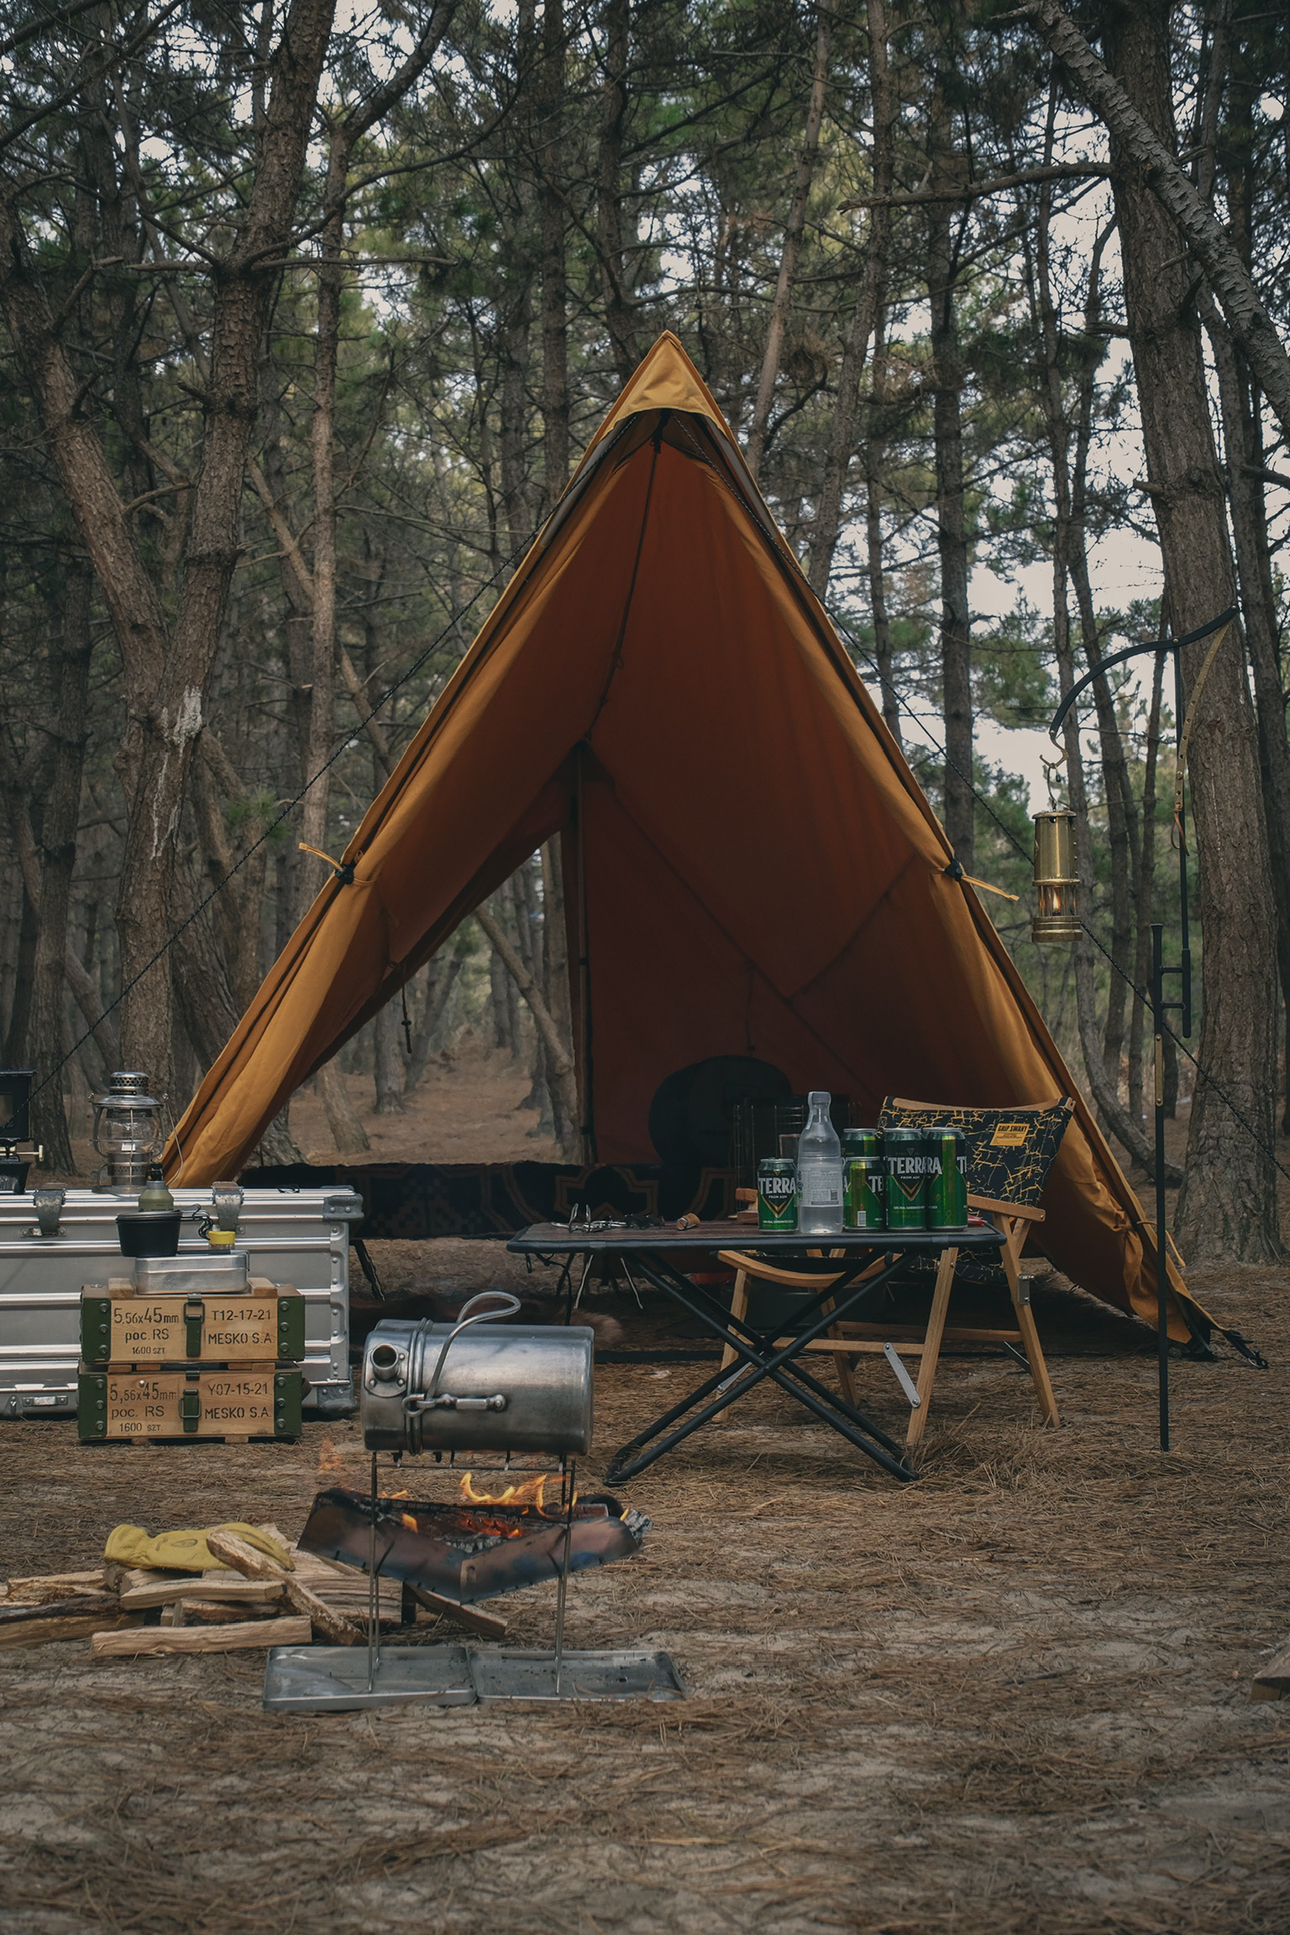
x,y
431,1549
334,1679
514,1673
476,1386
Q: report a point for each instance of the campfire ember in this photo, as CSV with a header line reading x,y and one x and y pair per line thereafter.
x,y
330,1462
473,1550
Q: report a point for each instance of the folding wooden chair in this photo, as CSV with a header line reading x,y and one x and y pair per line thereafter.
x,y
1009,1155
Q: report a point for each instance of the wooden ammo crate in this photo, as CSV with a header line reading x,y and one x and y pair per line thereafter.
x,y
121,1329
260,1403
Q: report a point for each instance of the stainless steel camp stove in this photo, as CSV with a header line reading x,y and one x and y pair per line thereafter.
x,y
447,1389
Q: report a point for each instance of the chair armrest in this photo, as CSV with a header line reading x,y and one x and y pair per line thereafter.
x,y
752,1266
1024,1212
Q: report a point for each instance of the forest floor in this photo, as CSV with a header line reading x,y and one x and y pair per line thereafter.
x,y
1013,1697
465,1110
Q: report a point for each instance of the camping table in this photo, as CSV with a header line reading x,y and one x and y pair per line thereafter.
x,y
867,1260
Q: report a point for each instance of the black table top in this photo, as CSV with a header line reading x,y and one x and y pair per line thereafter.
x,y
556,1239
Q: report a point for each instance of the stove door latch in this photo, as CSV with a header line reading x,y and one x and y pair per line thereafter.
x,y
417,1401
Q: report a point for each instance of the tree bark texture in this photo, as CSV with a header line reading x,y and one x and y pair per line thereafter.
x,y
1259,610
167,669
615,264
560,1057
951,506
555,330
869,301
875,563
782,302
389,1059
1227,1207
59,820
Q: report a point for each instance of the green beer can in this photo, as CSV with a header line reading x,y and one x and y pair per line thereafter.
x,y
863,1184
861,1142
776,1193
905,1158
947,1180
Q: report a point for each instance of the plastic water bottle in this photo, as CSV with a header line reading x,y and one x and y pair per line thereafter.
x,y
819,1171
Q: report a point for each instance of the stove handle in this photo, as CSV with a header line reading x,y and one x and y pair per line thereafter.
x,y
492,1298
417,1403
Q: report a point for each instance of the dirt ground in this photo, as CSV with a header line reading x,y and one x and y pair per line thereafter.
x,y
467,1111
1011,1697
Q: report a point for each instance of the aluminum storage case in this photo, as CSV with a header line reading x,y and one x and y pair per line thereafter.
x,y
292,1236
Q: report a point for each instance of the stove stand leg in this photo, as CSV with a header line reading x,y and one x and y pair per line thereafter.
x,y
571,1494
373,1595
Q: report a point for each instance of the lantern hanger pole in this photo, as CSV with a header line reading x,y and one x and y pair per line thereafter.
x,y
1162,1268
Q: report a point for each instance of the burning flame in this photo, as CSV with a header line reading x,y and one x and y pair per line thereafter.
x,y
529,1496
330,1462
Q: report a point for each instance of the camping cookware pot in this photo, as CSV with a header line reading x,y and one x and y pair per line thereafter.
x,y
477,1386
149,1232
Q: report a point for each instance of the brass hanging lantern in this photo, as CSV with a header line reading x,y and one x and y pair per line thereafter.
x,y
1057,918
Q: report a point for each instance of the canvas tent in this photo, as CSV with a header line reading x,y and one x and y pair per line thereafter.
x,y
750,866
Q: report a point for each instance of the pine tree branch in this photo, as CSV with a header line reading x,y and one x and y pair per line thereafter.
x,y
1200,228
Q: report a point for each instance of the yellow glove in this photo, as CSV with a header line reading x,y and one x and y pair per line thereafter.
x,y
186,1551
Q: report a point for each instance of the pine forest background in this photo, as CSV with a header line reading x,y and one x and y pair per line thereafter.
x,y
308,312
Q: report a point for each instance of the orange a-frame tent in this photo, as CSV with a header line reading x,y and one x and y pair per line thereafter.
x,y
750,866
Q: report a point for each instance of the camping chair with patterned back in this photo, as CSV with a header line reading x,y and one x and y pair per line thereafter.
x,y
1009,1155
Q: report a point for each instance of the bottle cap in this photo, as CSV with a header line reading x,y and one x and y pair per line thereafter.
x,y
222,1239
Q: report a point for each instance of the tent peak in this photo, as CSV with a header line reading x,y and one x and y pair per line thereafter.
x,y
665,379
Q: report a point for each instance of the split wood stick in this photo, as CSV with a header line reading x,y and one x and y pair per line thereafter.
x,y
150,1640
91,1578
42,1632
257,1565
216,1612
474,1618
86,1605
215,1585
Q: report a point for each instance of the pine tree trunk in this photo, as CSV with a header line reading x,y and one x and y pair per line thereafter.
x,y
1227,1207
876,571
781,305
865,321
347,1132
168,667
951,507
389,1059
1259,610
615,268
58,844
555,332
